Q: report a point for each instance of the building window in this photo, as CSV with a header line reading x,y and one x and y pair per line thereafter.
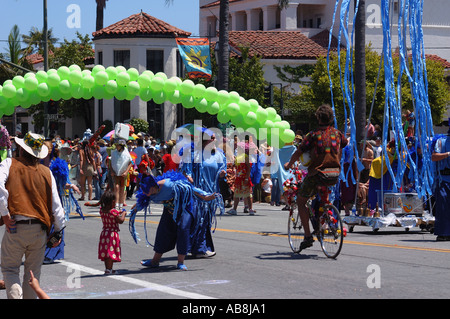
x,y
155,112
121,108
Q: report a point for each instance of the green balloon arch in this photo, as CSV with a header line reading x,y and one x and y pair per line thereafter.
x,y
126,84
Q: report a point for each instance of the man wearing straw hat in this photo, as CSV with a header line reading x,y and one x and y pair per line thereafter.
x,y
29,205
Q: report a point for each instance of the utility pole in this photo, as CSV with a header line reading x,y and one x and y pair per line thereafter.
x,y
360,70
45,31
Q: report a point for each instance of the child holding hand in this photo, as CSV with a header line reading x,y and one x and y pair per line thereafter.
x,y
109,244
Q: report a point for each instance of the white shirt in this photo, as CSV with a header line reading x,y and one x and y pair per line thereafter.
x,y
57,209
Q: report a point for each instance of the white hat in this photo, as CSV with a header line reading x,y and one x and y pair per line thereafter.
x,y
33,144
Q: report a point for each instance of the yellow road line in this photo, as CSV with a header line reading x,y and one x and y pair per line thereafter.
x,y
346,241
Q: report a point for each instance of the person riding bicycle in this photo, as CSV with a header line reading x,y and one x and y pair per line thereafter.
x,y
325,148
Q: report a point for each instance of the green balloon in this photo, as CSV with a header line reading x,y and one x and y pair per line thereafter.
x,y
43,90
55,94
123,79
187,87
287,136
53,80
199,90
64,87
34,98
74,67
63,72
75,76
77,91
159,97
101,78
145,94
18,81
213,107
144,80
133,73
254,105
41,76
170,85
161,75
271,113
211,94
98,68
232,109
111,87
234,97
9,91
22,94
3,101
201,105
188,101
174,97
261,115
268,124
133,88
157,84
31,83
98,92
88,82
223,117
87,93
223,97
112,72
238,121
250,118
148,73
277,118
285,125
8,109
244,105
86,73
121,93
120,69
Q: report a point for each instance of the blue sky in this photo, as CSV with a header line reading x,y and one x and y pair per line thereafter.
x,y
183,14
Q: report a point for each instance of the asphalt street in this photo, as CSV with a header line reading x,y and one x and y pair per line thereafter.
x,y
253,262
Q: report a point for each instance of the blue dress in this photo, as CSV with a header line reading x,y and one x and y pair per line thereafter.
x,y
205,169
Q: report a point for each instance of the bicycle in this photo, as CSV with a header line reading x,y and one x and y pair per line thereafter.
x,y
327,223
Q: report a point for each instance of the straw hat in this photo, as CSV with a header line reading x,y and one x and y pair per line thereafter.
x,y
34,144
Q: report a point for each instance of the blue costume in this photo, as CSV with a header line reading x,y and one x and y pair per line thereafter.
x,y
60,171
205,170
442,189
179,219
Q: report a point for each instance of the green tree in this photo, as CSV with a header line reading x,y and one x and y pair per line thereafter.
x,y
318,91
35,40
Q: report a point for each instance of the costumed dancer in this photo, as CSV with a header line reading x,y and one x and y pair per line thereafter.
x,y
66,189
441,157
178,221
204,171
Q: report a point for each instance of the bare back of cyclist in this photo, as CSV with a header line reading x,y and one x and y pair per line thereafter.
x,y
324,145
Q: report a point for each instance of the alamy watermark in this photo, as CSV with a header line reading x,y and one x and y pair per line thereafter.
x,y
74,19
374,279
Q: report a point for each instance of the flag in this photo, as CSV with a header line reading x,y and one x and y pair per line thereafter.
x,y
196,57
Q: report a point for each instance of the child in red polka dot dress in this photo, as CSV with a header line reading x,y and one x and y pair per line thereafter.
x,y
109,244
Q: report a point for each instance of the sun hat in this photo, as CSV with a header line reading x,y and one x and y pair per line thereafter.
x,y
34,144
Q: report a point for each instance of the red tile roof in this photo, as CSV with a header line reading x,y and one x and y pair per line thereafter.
x,y
323,37
277,44
442,61
140,25
216,3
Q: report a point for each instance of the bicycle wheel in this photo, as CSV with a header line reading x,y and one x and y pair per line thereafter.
x,y
331,231
295,230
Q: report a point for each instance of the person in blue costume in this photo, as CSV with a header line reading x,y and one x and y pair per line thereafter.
x,y
204,171
66,189
178,221
441,157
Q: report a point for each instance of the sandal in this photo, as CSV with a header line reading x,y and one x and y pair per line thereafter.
x,y
111,272
181,266
148,263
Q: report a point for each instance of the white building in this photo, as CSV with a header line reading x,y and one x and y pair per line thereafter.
x,y
145,43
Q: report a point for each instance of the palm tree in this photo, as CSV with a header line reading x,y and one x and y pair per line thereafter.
x,y
223,56
35,40
101,5
283,3
360,70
